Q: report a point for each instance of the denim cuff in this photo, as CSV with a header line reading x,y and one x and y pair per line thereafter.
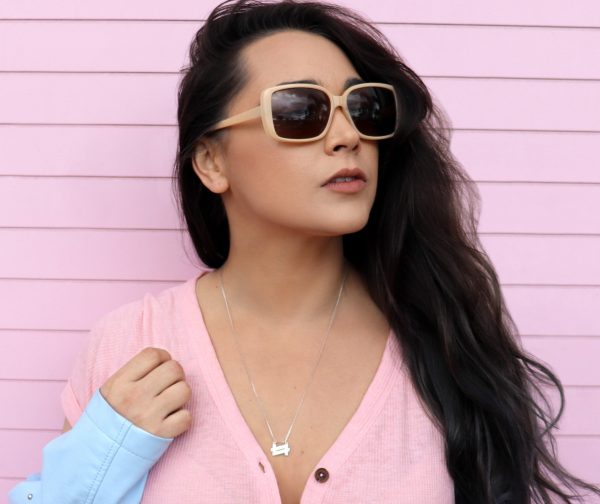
x,y
128,435
103,459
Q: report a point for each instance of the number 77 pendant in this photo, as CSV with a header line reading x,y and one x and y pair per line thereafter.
x,y
282,449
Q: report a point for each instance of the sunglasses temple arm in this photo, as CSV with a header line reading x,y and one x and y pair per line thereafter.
x,y
238,118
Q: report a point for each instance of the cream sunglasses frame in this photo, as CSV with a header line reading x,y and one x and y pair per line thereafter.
x,y
264,111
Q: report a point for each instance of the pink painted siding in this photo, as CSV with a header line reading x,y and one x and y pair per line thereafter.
x,y
87,134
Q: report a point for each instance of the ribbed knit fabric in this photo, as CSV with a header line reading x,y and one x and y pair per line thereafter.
x,y
389,452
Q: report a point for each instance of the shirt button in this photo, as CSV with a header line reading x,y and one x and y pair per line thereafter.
x,y
321,475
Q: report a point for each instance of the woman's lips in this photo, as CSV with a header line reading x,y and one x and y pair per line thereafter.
x,y
351,186
356,173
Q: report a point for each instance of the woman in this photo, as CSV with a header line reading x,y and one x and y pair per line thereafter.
x,y
349,342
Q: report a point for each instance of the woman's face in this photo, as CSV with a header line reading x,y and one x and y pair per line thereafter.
x,y
272,184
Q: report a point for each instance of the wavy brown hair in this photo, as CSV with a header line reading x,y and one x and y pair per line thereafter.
x,y
419,254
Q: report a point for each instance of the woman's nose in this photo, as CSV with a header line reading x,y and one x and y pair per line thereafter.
x,y
341,133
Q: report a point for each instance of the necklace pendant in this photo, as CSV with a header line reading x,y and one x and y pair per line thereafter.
x,y
282,449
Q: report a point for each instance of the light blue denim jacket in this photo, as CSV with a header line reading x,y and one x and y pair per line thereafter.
x,y
103,459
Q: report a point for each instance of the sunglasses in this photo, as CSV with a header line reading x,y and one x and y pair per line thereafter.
x,y
304,112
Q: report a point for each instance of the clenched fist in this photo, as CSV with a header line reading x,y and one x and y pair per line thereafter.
x,y
150,391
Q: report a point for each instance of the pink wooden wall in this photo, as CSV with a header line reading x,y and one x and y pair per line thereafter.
x,y
87,220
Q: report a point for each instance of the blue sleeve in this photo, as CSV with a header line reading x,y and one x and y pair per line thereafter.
x,y
103,459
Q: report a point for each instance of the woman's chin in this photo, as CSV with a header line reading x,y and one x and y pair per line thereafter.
x,y
340,226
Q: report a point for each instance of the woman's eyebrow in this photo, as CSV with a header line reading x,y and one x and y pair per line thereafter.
x,y
349,82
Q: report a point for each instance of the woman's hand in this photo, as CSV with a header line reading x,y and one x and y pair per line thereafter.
x,y
150,391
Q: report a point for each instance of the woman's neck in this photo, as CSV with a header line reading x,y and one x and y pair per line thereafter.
x,y
286,284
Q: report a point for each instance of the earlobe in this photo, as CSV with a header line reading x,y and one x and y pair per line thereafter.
x,y
208,166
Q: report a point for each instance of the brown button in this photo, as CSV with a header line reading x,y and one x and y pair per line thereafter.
x,y
322,475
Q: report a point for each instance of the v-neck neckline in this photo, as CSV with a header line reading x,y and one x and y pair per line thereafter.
x,y
369,407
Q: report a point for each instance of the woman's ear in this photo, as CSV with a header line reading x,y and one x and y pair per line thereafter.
x,y
209,165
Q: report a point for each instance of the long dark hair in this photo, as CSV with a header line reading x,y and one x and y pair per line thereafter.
x,y
419,254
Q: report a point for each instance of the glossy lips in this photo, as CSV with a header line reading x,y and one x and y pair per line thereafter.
x,y
346,172
359,180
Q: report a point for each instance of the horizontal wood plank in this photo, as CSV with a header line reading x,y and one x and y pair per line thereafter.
x,y
535,12
497,51
98,151
539,260
24,353
518,104
88,99
126,203
528,156
539,208
151,99
107,46
52,301
89,202
554,311
96,254
469,51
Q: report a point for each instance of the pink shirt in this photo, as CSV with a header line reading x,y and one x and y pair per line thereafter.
x,y
389,452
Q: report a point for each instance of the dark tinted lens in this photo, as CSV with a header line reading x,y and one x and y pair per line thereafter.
x,y
373,110
299,112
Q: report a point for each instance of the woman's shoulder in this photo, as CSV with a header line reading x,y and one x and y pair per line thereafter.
x,y
151,320
137,317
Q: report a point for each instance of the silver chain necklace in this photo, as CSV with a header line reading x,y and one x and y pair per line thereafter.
x,y
283,448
